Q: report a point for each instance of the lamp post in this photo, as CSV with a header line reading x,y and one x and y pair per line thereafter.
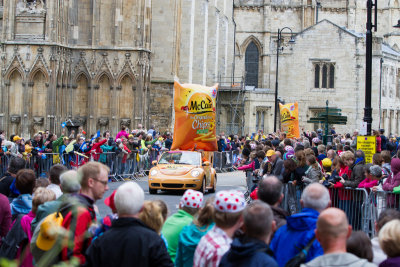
x,y
380,93
368,64
318,7
278,48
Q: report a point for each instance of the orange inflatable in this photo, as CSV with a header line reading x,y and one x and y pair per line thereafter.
x,y
290,119
194,107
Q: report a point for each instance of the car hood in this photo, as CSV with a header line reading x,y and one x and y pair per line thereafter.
x,y
175,169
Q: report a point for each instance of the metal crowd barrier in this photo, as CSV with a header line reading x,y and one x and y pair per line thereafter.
x,y
379,201
224,161
361,206
132,166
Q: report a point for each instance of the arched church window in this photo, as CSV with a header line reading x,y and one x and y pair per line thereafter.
x,y
324,76
252,64
332,76
316,75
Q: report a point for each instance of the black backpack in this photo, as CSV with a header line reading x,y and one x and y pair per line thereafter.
x,y
13,240
300,257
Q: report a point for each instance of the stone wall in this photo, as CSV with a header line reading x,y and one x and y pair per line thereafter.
x,y
86,62
258,22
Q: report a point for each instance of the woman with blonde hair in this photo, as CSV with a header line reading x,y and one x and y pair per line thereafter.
x,y
151,215
389,240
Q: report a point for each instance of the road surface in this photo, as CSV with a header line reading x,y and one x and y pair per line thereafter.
x,y
226,181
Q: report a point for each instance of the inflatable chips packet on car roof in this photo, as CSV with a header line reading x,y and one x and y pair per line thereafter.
x,y
194,117
290,119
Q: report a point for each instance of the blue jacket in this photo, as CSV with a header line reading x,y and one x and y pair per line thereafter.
x,y
21,205
294,236
188,240
248,252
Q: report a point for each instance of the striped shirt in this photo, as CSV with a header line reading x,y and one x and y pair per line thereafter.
x,y
211,248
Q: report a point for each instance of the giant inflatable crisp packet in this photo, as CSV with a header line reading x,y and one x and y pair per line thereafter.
x,y
194,117
290,119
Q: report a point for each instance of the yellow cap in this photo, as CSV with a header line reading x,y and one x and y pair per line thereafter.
x,y
270,153
16,138
48,231
326,162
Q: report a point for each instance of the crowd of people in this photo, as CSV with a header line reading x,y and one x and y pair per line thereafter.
x,y
76,149
46,220
40,229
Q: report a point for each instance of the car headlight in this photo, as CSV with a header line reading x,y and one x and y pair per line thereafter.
x,y
195,173
153,172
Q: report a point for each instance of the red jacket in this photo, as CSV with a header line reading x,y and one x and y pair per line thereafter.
x,y
344,194
96,150
86,216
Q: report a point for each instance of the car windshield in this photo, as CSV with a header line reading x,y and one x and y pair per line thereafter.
x,y
188,158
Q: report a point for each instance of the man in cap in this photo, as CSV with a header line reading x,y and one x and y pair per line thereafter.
x,y
129,242
229,206
277,164
14,149
189,205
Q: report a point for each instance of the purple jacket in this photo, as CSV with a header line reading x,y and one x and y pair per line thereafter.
x,y
394,179
5,216
390,262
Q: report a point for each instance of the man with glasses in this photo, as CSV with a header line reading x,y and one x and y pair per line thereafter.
x,y
78,212
277,164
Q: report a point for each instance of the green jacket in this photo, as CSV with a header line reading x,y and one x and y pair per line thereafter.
x,y
56,144
172,229
46,209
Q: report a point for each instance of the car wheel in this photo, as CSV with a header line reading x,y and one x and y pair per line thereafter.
x,y
203,186
214,186
152,191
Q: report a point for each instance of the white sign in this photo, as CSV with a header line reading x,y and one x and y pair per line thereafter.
x,y
363,128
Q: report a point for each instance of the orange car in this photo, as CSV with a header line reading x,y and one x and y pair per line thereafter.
x,y
181,170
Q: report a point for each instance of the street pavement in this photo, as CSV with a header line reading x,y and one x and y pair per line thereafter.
x,y
225,181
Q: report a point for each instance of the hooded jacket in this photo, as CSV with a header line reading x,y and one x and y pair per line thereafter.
x,y
394,179
21,205
188,240
339,259
291,238
172,229
248,252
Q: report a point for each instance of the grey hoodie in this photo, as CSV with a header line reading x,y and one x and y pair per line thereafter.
x,y
338,259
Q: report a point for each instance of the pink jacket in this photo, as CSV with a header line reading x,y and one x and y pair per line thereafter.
x,y
368,183
26,226
122,133
250,166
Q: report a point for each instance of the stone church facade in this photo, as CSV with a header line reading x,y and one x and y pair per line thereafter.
x,y
85,62
106,63
101,64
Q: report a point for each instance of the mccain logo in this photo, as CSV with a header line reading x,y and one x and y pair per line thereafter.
x,y
199,107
